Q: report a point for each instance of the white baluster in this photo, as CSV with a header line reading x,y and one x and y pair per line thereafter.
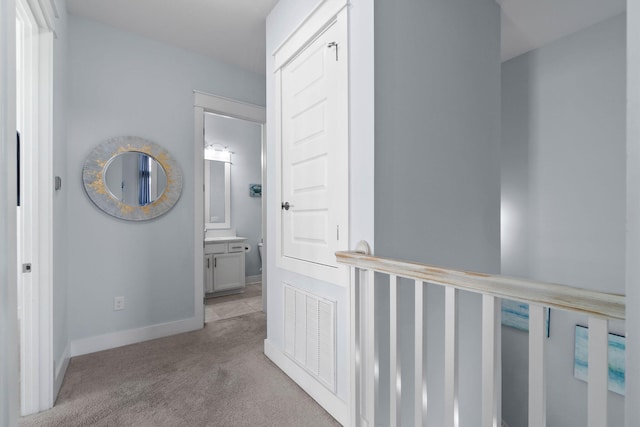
x,y
598,389
371,372
491,361
451,358
420,392
394,371
355,345
537,382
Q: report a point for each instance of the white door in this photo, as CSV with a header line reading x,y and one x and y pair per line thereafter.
x,y
34,44
314,113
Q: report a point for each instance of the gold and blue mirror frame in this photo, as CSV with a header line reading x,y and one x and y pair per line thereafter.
x,y
97,162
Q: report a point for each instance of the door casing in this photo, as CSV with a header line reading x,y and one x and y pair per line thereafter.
x,y
38,385
209,103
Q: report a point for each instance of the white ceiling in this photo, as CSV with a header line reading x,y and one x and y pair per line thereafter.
x,y
529,24
233,31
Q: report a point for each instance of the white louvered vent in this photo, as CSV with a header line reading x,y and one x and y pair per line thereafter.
x,y
309,333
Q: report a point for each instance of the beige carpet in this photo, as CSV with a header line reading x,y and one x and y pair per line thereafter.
x,y
218,376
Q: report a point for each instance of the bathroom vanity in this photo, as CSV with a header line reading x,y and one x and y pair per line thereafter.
x,y
224,265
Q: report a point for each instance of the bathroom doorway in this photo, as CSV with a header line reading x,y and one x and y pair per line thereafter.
x,y
233,207
234,132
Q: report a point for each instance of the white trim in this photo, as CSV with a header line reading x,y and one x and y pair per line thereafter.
x,y
54,8
133,336
37,385
198,222
49,13
598,374
335,406
334,275
208,103
61,370
263,261
632,267
315,22
537,366
45,220
43,13
229,107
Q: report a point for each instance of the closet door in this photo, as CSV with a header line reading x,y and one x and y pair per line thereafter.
x,y
314,174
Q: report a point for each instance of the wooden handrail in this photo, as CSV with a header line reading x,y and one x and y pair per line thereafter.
x,y
563,297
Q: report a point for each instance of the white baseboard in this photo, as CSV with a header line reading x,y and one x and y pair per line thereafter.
x,y
253,279
133,336
61,370
325,398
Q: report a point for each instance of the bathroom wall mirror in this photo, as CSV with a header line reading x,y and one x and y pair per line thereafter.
x,y
217,193
132,178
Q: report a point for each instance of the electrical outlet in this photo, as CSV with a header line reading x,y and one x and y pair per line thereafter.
x,y
118,303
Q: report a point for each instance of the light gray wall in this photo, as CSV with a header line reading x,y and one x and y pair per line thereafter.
x,y
563,190
282,20
437,181
8,297
633,212
244,140
60,206
124,84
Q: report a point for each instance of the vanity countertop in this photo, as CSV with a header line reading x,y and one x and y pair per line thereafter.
x,y
226,239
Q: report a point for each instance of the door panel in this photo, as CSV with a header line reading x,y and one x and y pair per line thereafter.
x,y
314,151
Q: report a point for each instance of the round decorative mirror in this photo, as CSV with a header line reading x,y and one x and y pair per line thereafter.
x,y
132,178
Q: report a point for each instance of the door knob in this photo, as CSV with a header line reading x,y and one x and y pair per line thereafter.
x,y
286,206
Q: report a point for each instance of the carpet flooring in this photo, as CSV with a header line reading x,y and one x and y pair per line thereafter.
x,y
217,376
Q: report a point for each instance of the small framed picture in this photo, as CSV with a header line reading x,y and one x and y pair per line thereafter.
x,y
255,190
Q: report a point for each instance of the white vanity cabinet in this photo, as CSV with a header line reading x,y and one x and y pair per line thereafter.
x,y
224,266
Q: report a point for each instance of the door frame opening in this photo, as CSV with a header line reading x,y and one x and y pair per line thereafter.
x,y
214,104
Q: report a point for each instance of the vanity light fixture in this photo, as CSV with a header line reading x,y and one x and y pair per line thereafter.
x,y
217,152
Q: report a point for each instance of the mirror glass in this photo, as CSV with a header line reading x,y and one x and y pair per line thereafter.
x,y
216,187
135,178
132,178
217,209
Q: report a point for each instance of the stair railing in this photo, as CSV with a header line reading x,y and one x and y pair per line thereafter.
x,y
598,306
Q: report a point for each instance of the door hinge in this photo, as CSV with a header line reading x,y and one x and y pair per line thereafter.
x,y
338,232
334,44
26,268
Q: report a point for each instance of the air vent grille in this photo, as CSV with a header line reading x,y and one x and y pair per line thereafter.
x,y
309,333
